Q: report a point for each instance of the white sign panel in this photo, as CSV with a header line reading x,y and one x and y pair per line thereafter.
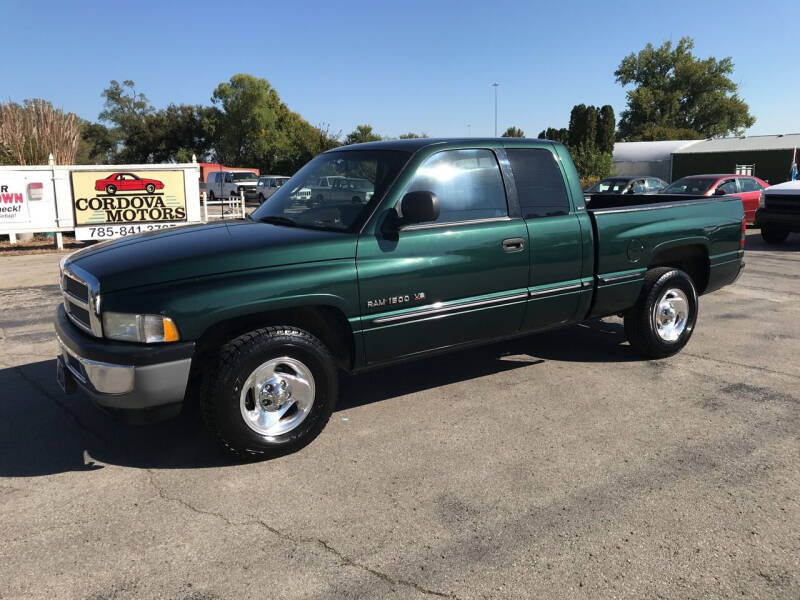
x,y
14,207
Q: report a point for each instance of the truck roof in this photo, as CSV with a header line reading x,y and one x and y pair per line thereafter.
x,y
415,144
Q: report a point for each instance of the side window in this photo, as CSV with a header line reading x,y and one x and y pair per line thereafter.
x,y
540,185
729,186
749,184
654,184
468,184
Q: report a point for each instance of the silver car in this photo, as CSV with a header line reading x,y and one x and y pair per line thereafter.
x,y
268,185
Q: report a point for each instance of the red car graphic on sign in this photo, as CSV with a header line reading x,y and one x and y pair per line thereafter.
x,y
127,182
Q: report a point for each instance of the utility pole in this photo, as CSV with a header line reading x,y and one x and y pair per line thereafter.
x,y
495,85
469,130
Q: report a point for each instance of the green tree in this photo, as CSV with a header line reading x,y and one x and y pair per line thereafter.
x,y
592,164
590,139
606,126
97,144
411,135
556,135
514,132
362,133
676,93
244,123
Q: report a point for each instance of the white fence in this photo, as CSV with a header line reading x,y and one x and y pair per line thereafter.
x,y
230,208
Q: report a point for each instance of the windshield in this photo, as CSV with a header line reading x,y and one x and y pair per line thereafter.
x,y
242,176
690,185
334,191
608,186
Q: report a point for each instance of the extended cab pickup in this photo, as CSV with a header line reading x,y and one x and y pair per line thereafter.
x,y
461,242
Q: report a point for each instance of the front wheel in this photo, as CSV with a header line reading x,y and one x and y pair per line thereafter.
x,y
663,318
773,235
271,392
111,189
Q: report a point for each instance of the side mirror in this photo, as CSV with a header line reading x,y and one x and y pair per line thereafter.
x,y
419,207
719,192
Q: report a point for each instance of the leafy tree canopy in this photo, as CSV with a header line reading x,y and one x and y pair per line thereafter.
x,y
514,132
677,94
362,133
411,135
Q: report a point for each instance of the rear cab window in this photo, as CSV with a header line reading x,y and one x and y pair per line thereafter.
x,y
539,182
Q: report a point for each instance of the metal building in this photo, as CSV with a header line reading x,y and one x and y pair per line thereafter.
x,y
647,158
766,156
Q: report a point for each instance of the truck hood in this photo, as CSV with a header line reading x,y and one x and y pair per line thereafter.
x,y
788,188
202,250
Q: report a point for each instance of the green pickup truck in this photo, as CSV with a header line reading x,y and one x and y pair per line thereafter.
x,y
462,242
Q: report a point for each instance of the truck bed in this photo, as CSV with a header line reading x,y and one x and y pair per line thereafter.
x,y
635,232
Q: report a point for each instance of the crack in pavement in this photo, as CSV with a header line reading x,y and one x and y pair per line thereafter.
x,y
44,392
738,364
343,558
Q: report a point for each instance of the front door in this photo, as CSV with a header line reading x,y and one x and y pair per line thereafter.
x,y
459,279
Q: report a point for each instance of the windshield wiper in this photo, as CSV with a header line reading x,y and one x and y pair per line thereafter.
x,y
276,220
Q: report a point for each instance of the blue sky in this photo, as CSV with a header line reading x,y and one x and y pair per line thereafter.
x,y
399,66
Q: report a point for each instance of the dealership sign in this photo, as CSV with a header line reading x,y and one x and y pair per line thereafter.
x,y
13,202
115,204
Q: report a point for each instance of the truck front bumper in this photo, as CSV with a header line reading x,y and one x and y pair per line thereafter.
x,y
137,382
784,220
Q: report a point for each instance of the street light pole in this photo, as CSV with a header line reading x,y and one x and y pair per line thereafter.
x,y
495,85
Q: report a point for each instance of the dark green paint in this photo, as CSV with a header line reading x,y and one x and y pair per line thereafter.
x,y
206,274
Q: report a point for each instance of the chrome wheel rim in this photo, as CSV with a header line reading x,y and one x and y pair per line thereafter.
x,y
277,396
671,314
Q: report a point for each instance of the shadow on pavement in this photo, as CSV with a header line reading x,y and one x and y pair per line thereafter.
x,y
755,243
43,431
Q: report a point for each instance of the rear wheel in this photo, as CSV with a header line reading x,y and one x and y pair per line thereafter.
x,y
663,318
261,198
271,392
773,235
211,195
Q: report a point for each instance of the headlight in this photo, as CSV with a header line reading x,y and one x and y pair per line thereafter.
x,y
147,329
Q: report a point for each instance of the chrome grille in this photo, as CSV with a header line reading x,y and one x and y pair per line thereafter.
x,y
81,299
76,288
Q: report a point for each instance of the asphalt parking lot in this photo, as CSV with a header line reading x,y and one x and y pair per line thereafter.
x,y
560,465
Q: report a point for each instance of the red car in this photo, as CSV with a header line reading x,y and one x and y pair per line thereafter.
x,y
747,187
127,182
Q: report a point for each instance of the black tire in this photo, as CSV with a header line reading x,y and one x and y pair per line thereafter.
x,y
211,196
150,188
111,189
640,326
261,199
235,362
773,235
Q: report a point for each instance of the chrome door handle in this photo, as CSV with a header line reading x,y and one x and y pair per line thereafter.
x,y
513,245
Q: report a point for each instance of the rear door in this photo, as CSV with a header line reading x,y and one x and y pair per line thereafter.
x,y
555,237
459,279
749,190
